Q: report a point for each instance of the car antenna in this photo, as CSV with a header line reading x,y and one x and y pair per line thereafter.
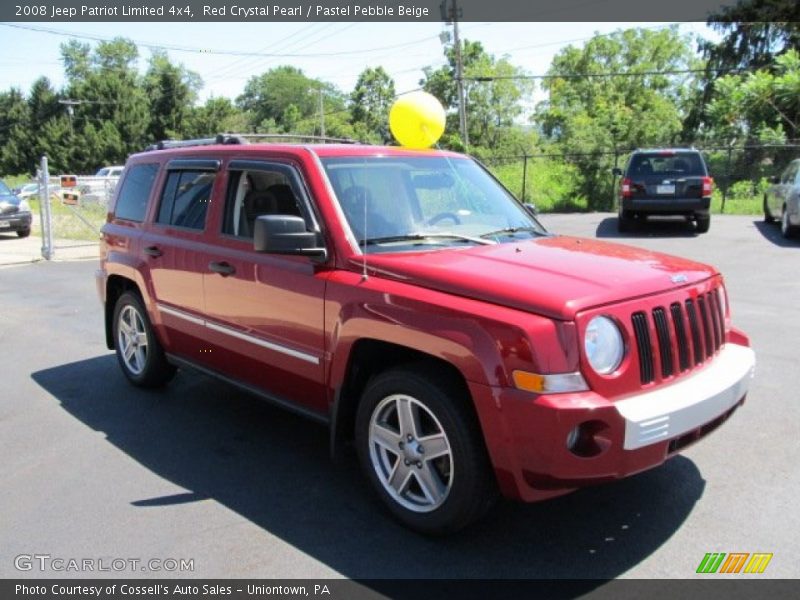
x,y
364,275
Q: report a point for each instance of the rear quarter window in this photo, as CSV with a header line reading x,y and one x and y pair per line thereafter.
x,y
135,192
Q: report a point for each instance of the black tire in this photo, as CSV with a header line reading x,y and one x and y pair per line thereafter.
x,y
768,218
703,223
625,222
465,473
149,368
23,233
788,230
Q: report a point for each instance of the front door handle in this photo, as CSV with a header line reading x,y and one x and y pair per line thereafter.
x,y
222,268
153,251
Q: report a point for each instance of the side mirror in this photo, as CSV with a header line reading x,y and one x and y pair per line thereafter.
x,y
530,208
617,171
285,234
774,179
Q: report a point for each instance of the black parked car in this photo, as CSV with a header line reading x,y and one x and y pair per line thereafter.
x,y
15,214
673,181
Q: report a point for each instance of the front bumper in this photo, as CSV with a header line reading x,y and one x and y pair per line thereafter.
x,y
19,221
527,436
667,206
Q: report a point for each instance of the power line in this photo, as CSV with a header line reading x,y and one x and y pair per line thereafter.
x,y
207,51
485,78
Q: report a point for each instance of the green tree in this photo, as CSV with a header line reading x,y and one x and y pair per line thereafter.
x,y
14,122
589,113
110,100
754,33
496,92
370,102
217,115
172,91
267,99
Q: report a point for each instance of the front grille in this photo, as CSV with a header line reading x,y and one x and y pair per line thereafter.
x,y
8,209
676,350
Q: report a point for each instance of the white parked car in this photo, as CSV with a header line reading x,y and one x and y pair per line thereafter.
x,y
114,171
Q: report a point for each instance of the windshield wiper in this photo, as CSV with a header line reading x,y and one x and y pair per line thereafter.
x,y
513,230
423,236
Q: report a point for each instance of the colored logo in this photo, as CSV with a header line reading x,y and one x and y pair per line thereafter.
x,y
735,562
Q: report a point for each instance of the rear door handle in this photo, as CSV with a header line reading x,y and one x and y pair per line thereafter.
x,y
153,251
222,268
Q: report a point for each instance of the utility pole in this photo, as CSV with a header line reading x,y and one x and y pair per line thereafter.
x,y
462,106
71,104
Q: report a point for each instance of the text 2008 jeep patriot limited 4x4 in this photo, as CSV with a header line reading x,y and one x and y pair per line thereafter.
x,y
409,301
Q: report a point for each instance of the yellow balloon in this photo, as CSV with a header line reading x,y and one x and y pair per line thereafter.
x,y
417,120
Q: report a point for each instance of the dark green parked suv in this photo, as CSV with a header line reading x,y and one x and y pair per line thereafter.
x,y
670,181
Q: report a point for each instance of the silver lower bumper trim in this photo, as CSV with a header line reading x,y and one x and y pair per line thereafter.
x,y
673,410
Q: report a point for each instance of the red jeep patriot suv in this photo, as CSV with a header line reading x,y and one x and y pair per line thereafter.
x,y
408,301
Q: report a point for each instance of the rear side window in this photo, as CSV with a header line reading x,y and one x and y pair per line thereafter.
x,y
184,202
671,164
135,191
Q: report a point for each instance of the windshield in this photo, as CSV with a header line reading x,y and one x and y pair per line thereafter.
x,y
396,203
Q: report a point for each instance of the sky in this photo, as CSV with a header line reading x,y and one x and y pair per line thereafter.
x,y
333,52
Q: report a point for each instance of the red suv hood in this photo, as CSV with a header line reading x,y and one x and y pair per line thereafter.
x,y
554,276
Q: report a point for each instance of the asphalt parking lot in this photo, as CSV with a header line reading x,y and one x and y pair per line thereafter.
x,y
93,468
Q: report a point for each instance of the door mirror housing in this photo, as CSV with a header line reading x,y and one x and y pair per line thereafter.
x,y
617,171
774,179
285,234
531,209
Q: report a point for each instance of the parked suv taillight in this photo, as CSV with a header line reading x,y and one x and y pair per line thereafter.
x,y
625,186
708,186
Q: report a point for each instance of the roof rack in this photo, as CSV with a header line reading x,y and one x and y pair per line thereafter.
x,y
244,138
292,136
218,139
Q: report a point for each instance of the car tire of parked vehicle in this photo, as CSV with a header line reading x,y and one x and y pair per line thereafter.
x,y
625,221
703,223
788,230
23,233
138,350
421,447
768,218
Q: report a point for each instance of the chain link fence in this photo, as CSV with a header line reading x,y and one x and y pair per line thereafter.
x,y
581,181
72,209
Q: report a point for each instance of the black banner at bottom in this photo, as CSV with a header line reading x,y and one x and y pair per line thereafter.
x,y
418,589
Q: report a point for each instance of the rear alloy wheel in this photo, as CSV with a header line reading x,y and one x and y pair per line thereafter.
x,y
787,229
703,223
768,218
422,450
23,233
138,351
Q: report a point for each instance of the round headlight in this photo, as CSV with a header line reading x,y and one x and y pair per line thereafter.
x,y
603,345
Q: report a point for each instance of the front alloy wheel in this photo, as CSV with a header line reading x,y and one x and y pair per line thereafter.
x,y
421,447
410,453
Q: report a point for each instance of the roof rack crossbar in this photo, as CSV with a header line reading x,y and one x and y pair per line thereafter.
x,y
292,136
